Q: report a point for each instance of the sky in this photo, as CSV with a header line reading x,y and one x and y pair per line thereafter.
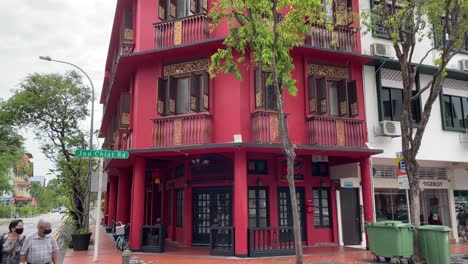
x,y
77,31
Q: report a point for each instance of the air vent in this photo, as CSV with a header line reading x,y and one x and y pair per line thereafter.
x,y
432,173
387,172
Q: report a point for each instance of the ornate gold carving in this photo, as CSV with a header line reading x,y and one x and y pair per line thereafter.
x,y
162,12
177,32
193,103
184,67
128,34
330,71
173,9
125,120
206,101
160,107
274,128
313,105
171,105
177,132
258,99
340,133
344,108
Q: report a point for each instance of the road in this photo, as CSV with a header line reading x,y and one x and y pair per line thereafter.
x,y
30,224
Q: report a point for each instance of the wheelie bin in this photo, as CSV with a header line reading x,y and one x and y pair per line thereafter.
x,y
434,242
390,239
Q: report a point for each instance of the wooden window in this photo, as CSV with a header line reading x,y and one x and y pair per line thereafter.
x,y
258,207
183,94
332,97
179,207
265,95
257,167
343,12
455,112
171,9
322,208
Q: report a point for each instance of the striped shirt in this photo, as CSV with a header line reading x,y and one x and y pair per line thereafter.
x,y
39,250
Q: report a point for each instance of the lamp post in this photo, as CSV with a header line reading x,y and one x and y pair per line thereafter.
x,y
88,180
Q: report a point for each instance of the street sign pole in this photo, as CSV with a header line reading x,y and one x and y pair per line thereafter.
x,y
98,212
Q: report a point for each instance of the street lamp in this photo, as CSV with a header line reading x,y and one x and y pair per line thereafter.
x,y
87,201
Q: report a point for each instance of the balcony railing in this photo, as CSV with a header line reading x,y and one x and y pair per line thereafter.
x,y
336,131
191,129
265,126
271,241
341,38
181,31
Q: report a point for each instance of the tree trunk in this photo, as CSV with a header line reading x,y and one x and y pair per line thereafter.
x,y
412,170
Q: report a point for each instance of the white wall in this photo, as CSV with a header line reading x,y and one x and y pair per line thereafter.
x,y
437,144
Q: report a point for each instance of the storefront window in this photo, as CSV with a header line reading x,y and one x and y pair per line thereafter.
x,y
391,205
435,206
461,199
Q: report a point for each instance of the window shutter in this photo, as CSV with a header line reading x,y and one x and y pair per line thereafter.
x,y
341,12
161,96
172,95
312,95
172,8
204,5
323,96
194,6
353,99
162,12
205,92
342,98
194,92
259,96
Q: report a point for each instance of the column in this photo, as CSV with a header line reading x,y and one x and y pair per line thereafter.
x,y
138,202
112,199
188,204
240,203
366,183
123,197
106,203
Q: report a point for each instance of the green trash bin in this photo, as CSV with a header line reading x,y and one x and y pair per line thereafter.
x,y
390,239
434,242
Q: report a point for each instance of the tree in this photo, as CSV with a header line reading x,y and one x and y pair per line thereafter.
x,y
54,105
407,24
265,32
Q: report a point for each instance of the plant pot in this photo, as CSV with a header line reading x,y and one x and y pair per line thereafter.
x,y
81,241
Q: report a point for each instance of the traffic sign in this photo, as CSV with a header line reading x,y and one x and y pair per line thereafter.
x,y
105,154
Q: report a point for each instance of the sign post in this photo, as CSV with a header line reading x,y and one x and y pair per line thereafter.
x,y
400,168
102,154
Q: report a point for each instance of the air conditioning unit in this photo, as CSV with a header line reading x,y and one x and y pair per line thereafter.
x,y
463,65
390,128
381,50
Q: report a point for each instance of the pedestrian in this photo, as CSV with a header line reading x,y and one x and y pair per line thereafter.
x,y
40,247
461,217
12,242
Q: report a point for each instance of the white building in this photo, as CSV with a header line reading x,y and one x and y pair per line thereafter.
x,y
443,156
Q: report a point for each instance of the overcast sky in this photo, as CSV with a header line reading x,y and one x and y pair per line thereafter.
x,y
77,31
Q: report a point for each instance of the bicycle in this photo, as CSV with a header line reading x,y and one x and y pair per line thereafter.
x,y
121,232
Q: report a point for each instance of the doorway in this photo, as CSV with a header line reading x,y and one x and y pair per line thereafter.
x,y
210,204
285,212
350,216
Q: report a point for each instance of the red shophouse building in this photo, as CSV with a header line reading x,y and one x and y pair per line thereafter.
x,y
203,149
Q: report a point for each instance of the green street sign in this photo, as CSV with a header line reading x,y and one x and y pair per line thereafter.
x,y
105,154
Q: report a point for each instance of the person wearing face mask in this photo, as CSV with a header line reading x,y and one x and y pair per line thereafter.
x,y
40,247
12,242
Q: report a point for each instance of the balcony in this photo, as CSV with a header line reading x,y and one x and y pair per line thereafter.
x,y
182,130
341,38
265,126
336,131
179,31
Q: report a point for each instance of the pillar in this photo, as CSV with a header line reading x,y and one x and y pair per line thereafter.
x,y
112,199
366,182
240,203
138,202
188,203
123,197
106,203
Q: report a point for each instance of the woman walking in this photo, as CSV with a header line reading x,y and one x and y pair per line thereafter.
x,y
12,242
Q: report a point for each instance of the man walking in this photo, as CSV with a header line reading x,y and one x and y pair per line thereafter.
x,y
40,247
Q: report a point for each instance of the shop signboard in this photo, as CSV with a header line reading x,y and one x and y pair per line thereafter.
x,y
433,184
400,168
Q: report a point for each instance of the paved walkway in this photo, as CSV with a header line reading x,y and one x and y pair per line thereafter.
x,y
317,255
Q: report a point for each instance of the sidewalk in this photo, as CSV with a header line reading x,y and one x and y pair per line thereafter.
x,y
108,253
